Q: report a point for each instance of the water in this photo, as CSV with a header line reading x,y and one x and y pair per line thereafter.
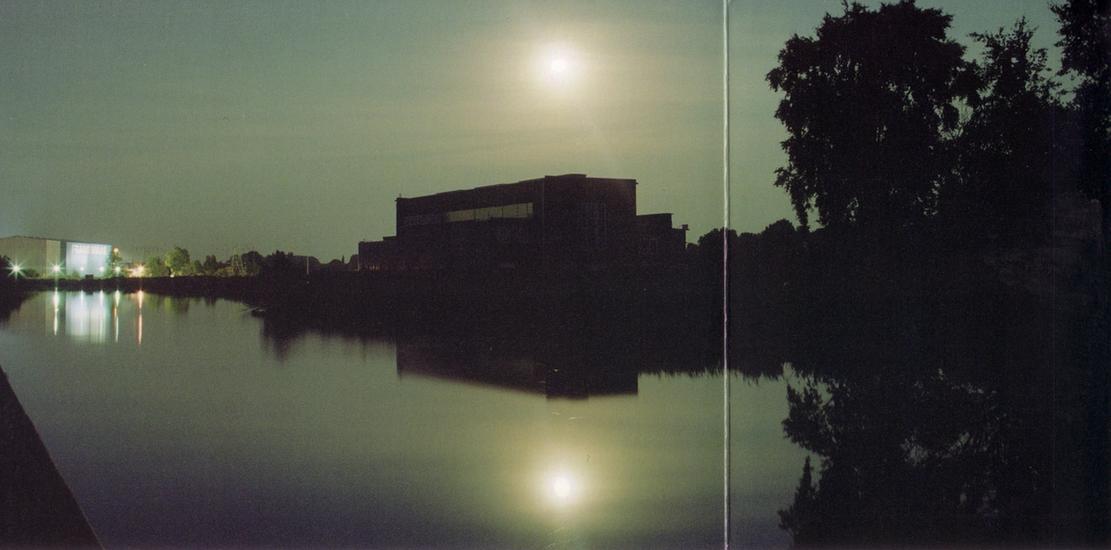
x,y
188,422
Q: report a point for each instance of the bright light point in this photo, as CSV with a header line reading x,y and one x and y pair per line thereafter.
x,y
16,269
562,488
116,269
56,268
558,66
100,269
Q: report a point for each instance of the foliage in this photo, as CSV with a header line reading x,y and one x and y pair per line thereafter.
x,y
5,272
1086,54
868,104
1003,183
279,265
156,267
210,266
252,262
177,261
114,261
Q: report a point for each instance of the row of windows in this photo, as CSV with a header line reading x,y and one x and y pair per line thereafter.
x,y
509,211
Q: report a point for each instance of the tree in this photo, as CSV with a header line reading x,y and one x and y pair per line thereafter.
x,y
210,266
5,272
1004,181
1086,54
279,265
252,263
797,520
868,105
156,267
177,260
114,261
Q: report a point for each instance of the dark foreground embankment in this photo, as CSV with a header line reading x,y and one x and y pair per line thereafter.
x,y
36,506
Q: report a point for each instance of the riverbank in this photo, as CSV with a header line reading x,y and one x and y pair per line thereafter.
x,y
36,506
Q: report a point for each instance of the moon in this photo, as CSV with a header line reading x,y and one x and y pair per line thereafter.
x,y
558,66
562,488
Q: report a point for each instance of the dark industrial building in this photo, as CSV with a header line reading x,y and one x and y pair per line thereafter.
x,y
555,221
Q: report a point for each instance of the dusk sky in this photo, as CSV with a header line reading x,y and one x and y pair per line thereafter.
x,y
223,126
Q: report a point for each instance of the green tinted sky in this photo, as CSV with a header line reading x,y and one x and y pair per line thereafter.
x,y
294,125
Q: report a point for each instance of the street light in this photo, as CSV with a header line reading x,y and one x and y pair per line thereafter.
x,y
16,269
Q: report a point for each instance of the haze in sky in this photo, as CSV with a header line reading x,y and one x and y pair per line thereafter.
x,y
223,126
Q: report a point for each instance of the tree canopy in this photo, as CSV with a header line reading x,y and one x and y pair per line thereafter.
x,y
867,104
1004,175
1086,54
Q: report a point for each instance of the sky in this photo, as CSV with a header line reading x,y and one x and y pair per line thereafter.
x,y
230,126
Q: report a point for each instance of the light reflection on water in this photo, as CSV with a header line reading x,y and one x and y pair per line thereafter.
x,y
197,433
88,317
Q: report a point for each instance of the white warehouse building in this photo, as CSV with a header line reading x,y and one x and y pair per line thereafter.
x,y
50,256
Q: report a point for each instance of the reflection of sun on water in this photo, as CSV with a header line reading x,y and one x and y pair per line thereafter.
x,y
562,488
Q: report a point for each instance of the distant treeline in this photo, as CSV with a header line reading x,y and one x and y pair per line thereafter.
x,y
177,262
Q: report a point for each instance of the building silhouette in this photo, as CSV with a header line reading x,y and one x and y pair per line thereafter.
x,y
569,220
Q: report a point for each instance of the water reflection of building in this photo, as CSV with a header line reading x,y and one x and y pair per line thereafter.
x,y
91,317
554,220
460,364
87,316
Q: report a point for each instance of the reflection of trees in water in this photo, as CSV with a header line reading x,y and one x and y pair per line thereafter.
x,y
9,303
970,424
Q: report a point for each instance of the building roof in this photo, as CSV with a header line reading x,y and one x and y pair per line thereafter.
x,y
48,239
517,183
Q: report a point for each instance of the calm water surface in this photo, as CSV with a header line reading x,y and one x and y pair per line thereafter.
x,y
181,422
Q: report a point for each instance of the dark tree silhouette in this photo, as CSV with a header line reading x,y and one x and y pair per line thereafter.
x,y
868,104
279,265
1004,178
210,266
252,262
1086,54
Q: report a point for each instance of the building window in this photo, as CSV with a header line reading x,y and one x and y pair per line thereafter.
x,y
521,210
509,211
421,219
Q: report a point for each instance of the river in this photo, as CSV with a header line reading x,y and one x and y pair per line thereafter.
x,y
186,422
